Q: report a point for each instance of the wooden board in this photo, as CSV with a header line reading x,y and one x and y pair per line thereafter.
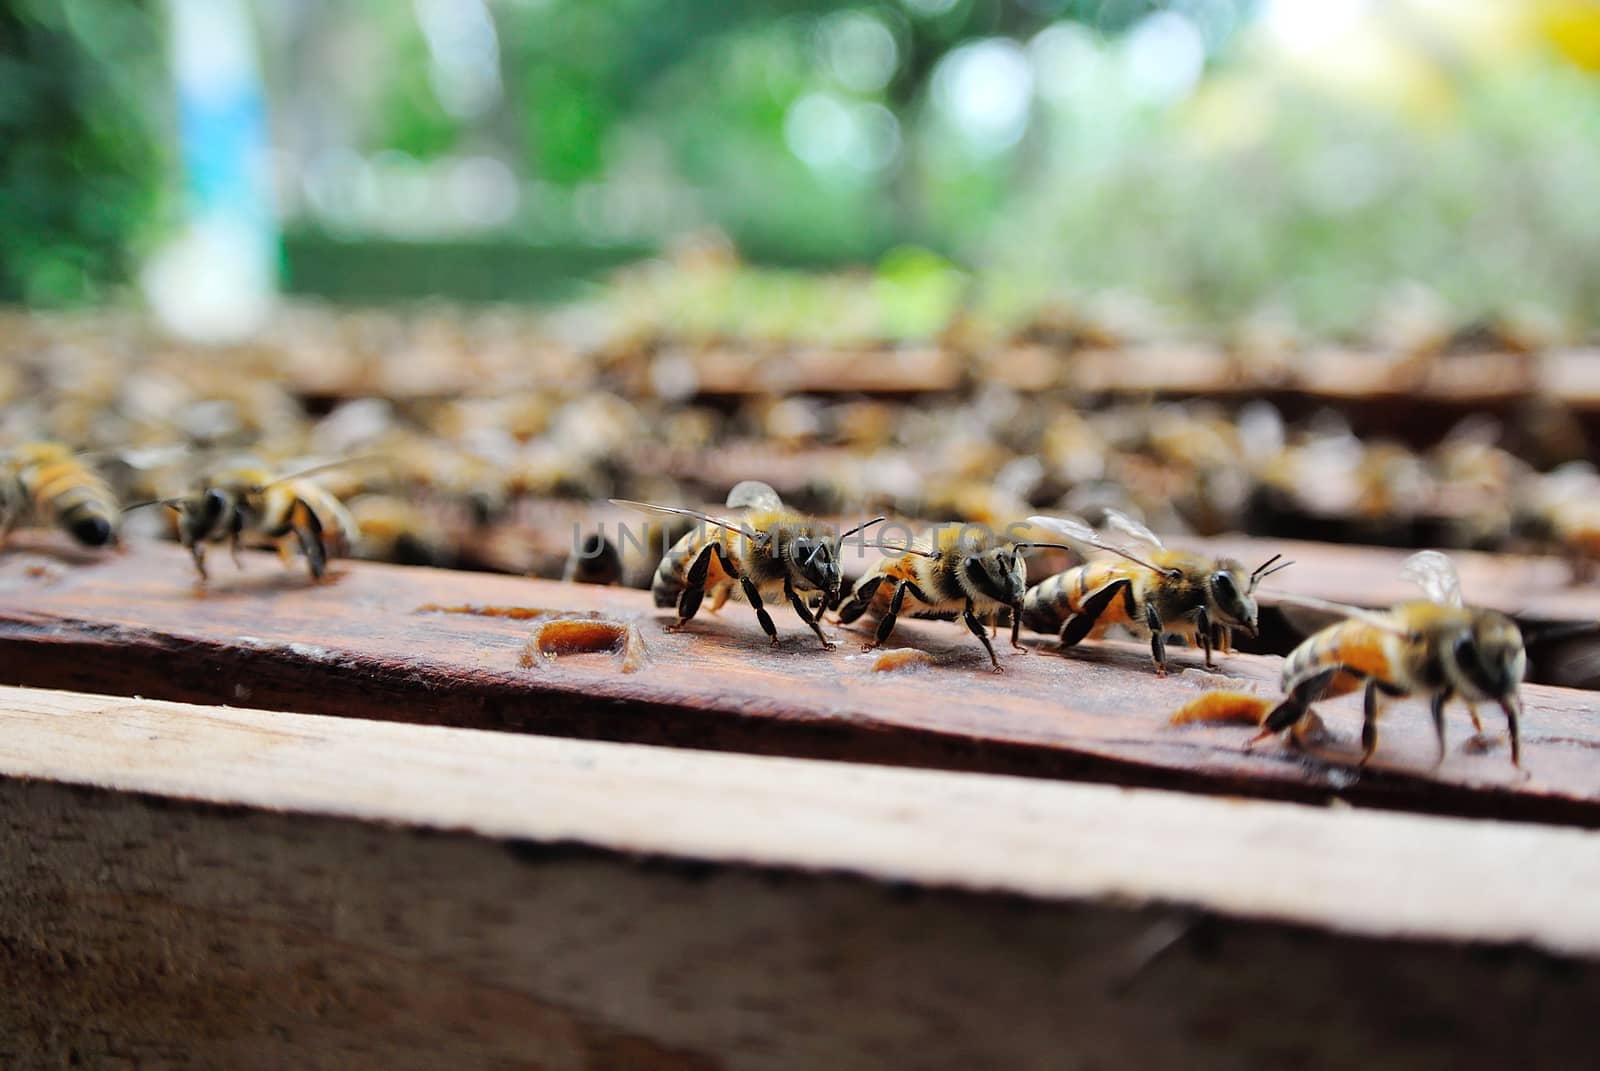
x,y
1324,868
361,646
183,886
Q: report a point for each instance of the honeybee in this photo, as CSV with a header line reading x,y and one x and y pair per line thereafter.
x,y
47,481
773,550
1559,510
1437,647
394,529
235,501
951,570
593,560
1160,591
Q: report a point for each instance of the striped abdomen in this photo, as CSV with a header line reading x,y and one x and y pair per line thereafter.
x,y
673,572
1052,602
72,496
299,504
1354,645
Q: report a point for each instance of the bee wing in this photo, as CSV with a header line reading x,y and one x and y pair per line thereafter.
x,y
325,466
753,494
1436,575
1075,529
1132,529
1375,618
678,511
1071,527
151,457
921,546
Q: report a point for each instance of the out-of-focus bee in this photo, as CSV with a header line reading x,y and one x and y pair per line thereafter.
x,y
1562,509
1159,591
396,530
950,571
47,481
249,500
1436,647
594,560
773,550
630,560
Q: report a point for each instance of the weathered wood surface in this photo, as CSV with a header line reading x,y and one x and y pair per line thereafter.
x,y
1490,379
193,887
134,624
1531,588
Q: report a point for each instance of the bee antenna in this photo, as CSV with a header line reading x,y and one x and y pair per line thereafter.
x,y
861,526
1045,546
170,503
1266,569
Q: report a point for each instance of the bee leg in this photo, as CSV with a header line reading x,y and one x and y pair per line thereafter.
x,y
1437,710
1513,709
308,529
1222,639
197,551
886,623
1158,642
1203,632
1369,721
751,592
971,618
1477,722
694,588
1080,624
1294,706
235,529
799,605
1016,629
860,599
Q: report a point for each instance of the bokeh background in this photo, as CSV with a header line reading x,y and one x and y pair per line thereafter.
x,y
1298,269
1341,167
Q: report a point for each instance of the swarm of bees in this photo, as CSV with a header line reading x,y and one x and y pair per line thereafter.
x,y
504,434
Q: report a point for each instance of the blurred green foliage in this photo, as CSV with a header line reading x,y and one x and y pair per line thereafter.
x,y
1327,210
625,122
82,157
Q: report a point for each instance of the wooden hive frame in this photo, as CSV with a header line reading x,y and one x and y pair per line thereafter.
x,y
373,836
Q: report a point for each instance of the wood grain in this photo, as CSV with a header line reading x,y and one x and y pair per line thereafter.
x,y
133,624
188,887
1330,869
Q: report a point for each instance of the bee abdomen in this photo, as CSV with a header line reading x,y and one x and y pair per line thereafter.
x,y
1048,604
1307,658
672,573
80,502
668,582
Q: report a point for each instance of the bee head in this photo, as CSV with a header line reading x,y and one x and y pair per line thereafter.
x,y
815,562
1230,595
1489,657
201,514
997,573
1231,592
